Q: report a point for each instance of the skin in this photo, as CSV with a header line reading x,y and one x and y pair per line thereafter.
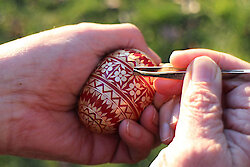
x,y
41,78
211,124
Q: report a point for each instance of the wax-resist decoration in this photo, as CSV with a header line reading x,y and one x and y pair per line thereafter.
x,y
113,93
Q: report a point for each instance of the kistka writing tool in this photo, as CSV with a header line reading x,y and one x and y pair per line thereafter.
x,y
168,71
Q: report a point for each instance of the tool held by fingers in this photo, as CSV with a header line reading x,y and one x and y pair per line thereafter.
x,y
167,70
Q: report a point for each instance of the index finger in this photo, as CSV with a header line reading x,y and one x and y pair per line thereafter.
x,y
111,37
181,59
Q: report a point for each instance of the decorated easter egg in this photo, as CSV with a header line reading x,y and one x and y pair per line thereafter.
x,y
113,93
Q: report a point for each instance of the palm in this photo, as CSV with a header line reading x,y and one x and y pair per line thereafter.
x,y
236,119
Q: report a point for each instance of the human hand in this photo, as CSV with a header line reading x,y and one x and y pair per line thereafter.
x,y
213,117
41,77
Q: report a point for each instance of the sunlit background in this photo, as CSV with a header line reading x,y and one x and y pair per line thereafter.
x,y
167,25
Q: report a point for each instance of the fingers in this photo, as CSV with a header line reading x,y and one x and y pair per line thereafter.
x,y
139,139
169,114
166,132
149,119
168,86
118,36
237,114
160,99
237,120
200,112
229,85
181,59
165,90
239,97
239,145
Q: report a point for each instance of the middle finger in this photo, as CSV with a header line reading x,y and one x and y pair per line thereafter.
x,y
169,114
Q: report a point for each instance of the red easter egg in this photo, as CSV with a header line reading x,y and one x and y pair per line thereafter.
x,y
113,93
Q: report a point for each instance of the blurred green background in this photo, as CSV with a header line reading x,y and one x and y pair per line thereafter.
x,y
167,25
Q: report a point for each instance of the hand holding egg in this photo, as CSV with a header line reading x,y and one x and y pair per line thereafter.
x,y
113,93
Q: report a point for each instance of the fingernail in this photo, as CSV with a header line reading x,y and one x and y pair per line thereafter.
x,y
175,115
133,130
204,69
165,132
176,52
155,118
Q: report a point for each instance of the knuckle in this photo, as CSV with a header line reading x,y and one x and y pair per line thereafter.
x,y
246,96
86,25
246,90
243,90
132,28
201,100
239,97
130,25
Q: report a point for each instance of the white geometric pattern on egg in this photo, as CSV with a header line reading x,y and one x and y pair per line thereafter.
x,y
113,93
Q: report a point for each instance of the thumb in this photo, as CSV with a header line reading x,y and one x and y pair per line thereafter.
x,y
200,112
199,138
